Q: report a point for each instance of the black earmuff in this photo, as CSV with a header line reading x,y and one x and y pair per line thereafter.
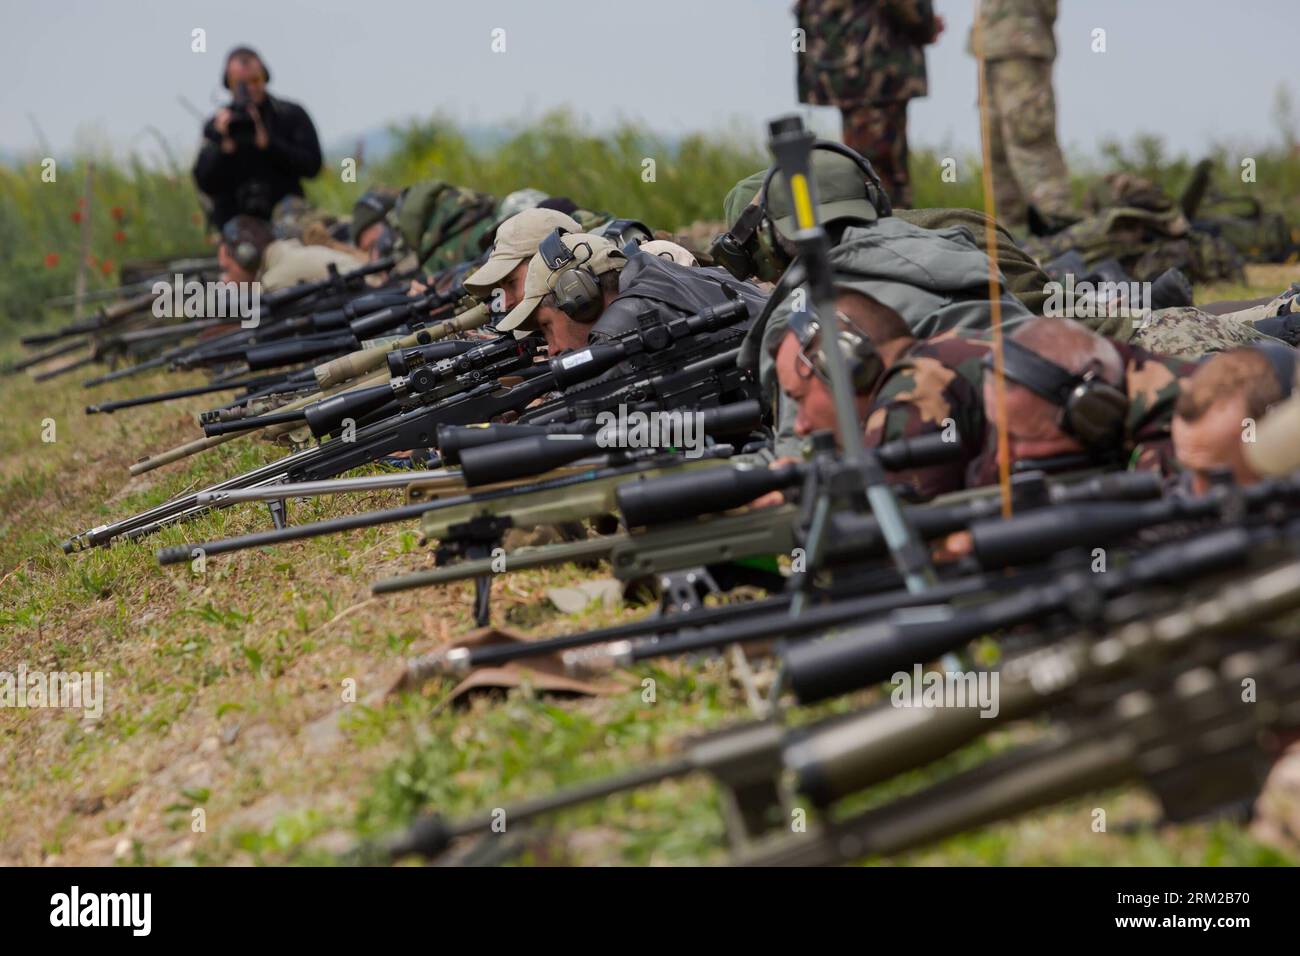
x,y
1091,409
739,250
1282,358
241,248
576,289
733,250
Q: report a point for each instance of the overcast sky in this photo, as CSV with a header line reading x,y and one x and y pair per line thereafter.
x,y
1192,71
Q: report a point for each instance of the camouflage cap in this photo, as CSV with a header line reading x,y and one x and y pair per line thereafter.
x,y
841,194
517,240
371,208
590,252
518,201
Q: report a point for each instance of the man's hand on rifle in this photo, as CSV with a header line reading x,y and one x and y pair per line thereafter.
x,y
774,498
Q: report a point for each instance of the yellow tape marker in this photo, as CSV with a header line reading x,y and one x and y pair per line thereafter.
x,y
803,210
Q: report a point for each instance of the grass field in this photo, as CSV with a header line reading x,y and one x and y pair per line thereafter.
x,y
227,692
245,715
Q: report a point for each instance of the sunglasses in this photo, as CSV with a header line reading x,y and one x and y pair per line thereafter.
x,y
805,329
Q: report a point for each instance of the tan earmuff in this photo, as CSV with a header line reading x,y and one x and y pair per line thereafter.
x,y
577,294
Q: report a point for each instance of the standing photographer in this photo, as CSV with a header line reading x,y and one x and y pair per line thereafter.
x,y
258,149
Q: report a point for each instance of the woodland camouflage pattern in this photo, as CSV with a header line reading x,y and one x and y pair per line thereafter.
x,y
866,57
443,224
932,383
862,51
879,132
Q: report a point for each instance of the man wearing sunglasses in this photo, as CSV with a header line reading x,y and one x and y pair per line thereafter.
x,y
258,149
904,387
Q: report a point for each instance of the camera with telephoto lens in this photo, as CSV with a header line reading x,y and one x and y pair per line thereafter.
x,y
241,128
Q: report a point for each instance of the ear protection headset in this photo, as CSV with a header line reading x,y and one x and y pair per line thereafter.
x,y
740,251
577,288
242,249
1283,360
622,231
864,363
1091,409
243,51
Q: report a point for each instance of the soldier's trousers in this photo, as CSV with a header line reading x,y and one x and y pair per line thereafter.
x,y
879,132
1028,166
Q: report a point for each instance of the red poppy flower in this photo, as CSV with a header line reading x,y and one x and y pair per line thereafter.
x,y
106,267
119,236
76,215
51,260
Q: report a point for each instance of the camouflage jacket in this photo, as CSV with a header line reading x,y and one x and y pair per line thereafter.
x,y
442,223
1152,383
862,51
1132,220
934,385
1016,29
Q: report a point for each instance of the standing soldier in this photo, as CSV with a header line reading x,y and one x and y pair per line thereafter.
x,y
1031,185
865,57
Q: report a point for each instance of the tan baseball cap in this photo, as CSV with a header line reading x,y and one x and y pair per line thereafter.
x,y
517,241
1276,448
670,250
590,251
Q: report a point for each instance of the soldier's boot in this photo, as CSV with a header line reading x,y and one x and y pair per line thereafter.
x,y
1171,289
1046,224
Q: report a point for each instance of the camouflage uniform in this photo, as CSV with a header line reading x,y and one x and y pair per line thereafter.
x,y
1152,383
1189,333
932,385
1288,303
1133,221
865,57
1027,164
442,224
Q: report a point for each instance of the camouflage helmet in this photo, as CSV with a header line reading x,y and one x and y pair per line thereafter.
x,y
372,207
509,207
289,217
518,201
